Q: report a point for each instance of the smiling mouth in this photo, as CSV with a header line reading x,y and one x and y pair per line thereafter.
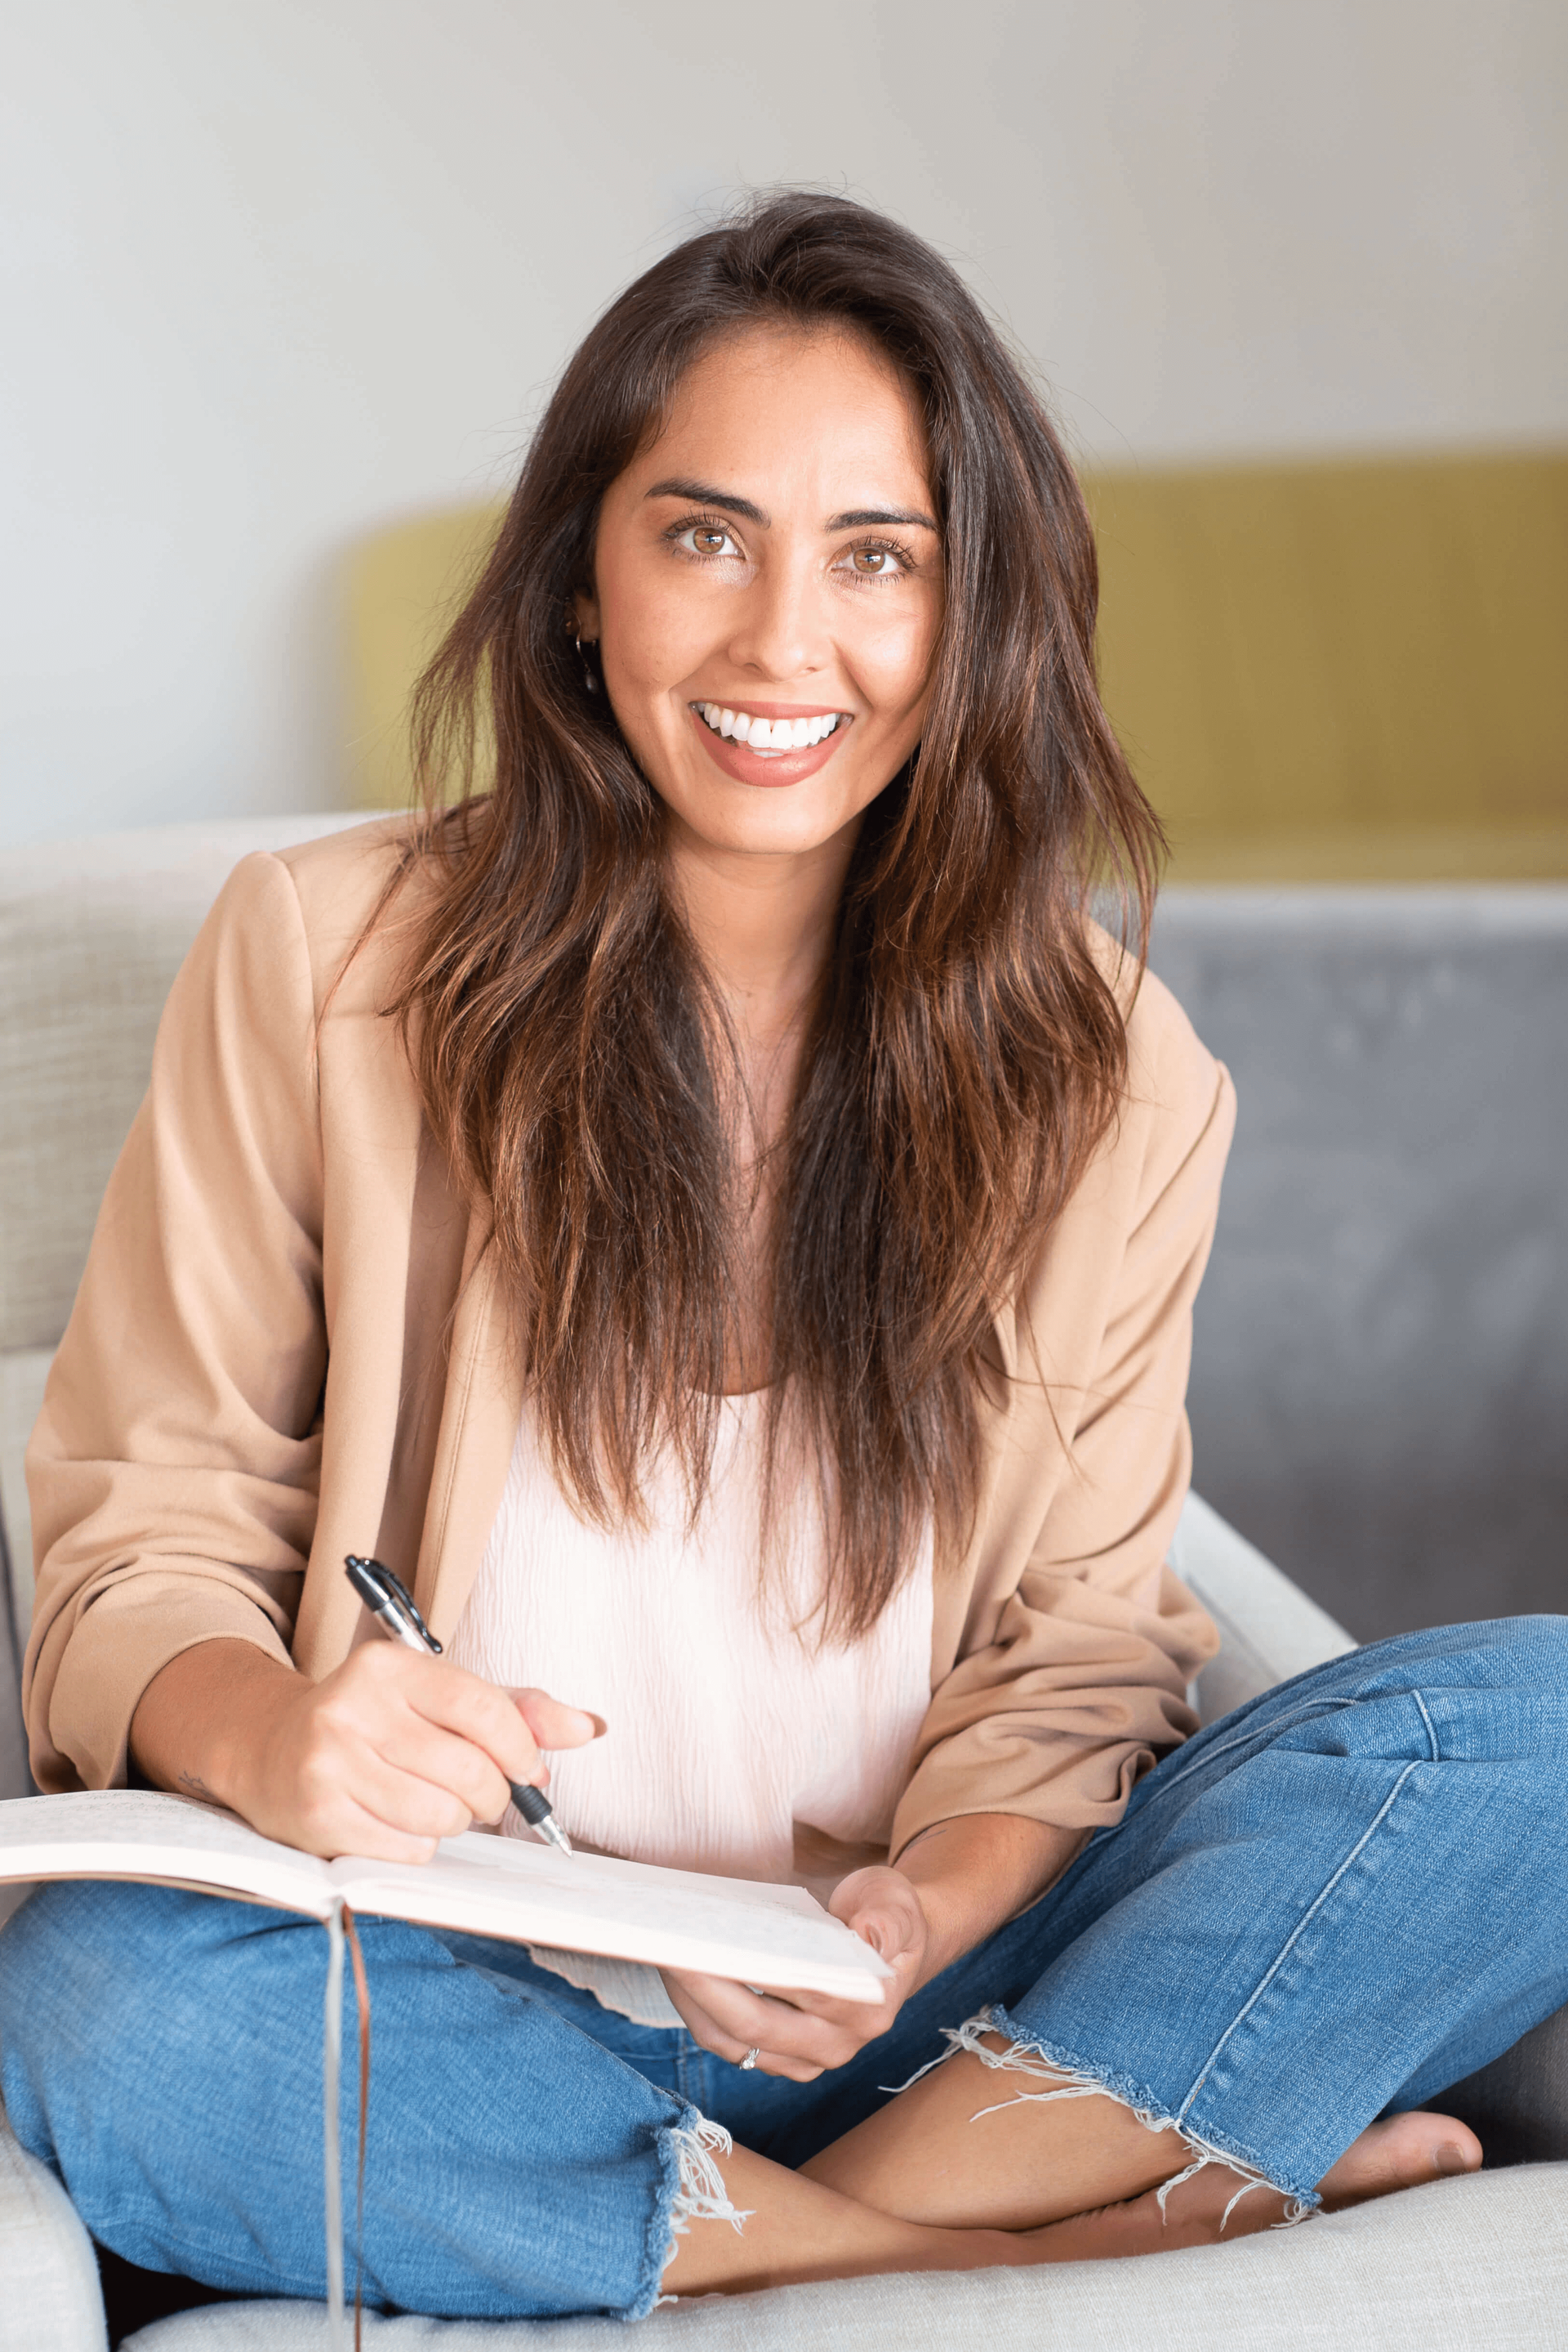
x,y
769,735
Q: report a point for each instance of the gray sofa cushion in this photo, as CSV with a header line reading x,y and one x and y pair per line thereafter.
x,y
1518,2106
1380,1363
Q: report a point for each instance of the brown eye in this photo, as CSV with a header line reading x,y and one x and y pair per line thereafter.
x,y
870,560
707,539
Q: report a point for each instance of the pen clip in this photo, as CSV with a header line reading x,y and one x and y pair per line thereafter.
x,y
387,1594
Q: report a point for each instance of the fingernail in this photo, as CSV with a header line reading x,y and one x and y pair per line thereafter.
x,y
1449,2159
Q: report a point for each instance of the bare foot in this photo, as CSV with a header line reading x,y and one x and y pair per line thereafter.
x,y
1401,2152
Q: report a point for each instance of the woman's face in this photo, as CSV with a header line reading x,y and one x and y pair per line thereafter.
x,y
769,592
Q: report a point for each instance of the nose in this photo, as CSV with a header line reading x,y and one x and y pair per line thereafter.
x,y
780,627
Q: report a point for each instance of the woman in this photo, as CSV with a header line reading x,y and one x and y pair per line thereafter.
x,y
719,1219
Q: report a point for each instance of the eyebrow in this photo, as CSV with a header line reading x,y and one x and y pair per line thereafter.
x,y
703,494
856,518
865,517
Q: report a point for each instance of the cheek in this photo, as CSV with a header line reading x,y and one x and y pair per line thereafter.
x,y
652,636
895,666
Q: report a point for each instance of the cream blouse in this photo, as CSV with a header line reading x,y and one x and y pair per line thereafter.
x,y
735,1733
738,1741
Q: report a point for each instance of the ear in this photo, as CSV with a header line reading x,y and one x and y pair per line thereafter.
x,y
585,618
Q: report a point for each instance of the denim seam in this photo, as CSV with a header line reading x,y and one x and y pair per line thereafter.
x,y
1296,1932
1436,1756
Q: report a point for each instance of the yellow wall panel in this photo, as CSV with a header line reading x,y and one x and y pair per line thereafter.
x,y
1331,670
1349,654
402,587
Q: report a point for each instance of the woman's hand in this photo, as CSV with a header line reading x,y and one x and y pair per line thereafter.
x,y
800,2034
952,1887
384,1755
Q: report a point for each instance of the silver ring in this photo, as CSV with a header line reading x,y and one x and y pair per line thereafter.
x,y
750,2060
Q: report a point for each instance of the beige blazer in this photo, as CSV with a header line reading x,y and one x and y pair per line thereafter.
x,y
288,1345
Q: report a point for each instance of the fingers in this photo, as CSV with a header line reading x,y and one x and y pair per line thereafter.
x,y
404,1749
555,1725
425,1752
792,2038
461,1703
354,1803
884,1909
802,2034
381,1734
706,2029
362,1835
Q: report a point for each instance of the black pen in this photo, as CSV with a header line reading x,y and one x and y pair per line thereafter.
x,y
391,1603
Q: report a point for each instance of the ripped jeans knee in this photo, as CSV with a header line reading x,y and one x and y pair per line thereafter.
x,y
1026,2056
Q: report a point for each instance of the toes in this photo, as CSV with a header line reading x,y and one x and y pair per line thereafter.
x,y
1400,2152
1459,2150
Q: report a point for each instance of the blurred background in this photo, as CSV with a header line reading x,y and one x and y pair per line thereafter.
x,y
286,281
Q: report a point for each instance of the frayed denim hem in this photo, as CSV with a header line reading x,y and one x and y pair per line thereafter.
x,y
1071,2079
692,2189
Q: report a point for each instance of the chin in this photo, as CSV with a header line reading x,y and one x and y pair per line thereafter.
x,y
771,831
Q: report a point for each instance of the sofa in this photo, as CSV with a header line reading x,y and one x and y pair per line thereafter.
x,y
91,934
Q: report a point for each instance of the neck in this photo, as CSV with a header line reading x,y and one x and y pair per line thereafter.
x,y
763,925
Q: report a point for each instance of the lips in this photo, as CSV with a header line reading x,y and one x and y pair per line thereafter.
x,y
769,762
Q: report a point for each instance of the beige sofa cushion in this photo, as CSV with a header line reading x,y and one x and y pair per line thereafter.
x,y
49,2297
1476,2265
92,934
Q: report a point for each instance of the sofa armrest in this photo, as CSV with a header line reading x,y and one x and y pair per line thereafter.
x,y
51,2294
1268,1628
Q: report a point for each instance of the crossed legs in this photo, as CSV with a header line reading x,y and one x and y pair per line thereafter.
x,y
931,2182
1294,1940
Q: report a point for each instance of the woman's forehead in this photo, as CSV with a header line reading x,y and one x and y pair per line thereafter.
x,y
807,407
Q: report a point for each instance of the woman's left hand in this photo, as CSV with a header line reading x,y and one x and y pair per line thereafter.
x,y
954,1885
800,2034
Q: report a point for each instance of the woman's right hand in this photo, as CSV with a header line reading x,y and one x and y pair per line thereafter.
x,y
387,1754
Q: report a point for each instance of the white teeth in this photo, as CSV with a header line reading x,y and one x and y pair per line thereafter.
x,y
767,734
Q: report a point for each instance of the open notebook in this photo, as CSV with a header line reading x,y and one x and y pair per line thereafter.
x,y
773,1936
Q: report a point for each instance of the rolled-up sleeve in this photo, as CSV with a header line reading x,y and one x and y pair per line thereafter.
x,y
1073,1675
174,1472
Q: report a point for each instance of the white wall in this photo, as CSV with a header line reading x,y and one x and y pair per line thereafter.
x,y
275,270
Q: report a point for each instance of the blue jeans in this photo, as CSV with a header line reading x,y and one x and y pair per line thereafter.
x,y
1338,1900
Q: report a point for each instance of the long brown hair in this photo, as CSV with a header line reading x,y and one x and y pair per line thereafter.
x,y
966,1053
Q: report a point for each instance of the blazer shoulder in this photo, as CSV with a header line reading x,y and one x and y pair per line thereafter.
x,y
339,882
1169,1067
340,875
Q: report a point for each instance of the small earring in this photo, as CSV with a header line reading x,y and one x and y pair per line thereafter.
x,y
584,651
